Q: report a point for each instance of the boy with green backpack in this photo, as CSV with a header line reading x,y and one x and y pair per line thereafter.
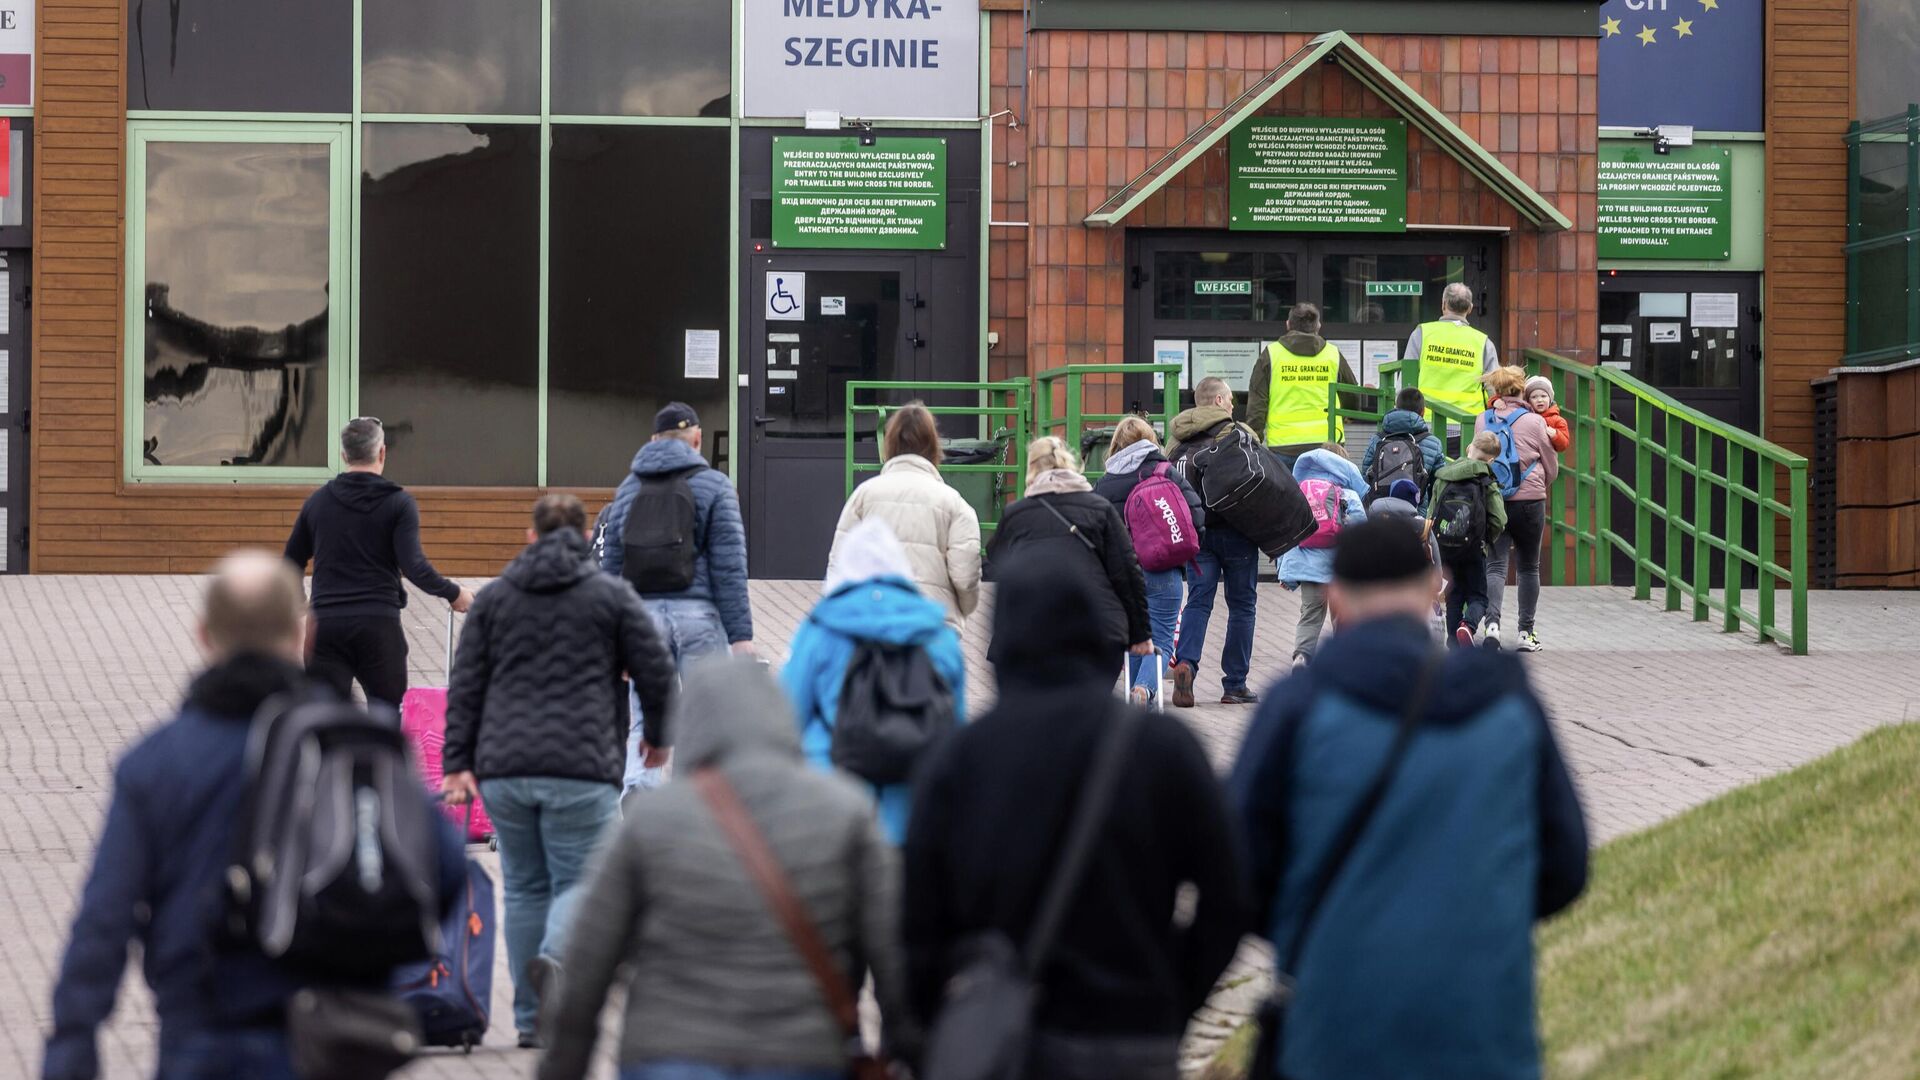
x,y
1468,514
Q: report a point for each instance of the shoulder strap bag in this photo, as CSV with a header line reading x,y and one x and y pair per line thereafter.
x,y
1272,1013
750,845
1072,529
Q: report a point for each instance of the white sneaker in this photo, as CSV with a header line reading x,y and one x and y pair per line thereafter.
x,y
1530,641
1490,635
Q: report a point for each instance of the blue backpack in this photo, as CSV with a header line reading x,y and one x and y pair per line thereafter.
x,y
1506,468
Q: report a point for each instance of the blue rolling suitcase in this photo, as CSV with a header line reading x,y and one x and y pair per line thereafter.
x,y
452,993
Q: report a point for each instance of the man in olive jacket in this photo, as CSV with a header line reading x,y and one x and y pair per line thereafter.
x,y
534,725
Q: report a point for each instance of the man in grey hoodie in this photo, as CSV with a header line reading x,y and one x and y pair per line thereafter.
x,y
715,982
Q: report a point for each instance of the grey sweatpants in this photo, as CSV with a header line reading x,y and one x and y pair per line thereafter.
x,y
1313,614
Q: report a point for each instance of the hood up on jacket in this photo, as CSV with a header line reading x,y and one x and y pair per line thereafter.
x,y
731,708
1130,459
553,563
665,456
1404,422
1327,465
1388,506
1300,344
1198,421
362,492
1046,627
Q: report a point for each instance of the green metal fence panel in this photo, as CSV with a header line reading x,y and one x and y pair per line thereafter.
x,y
1074,422
1678,445
1013,414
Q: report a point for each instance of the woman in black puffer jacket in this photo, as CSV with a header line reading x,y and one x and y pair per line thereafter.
x,y
1084,534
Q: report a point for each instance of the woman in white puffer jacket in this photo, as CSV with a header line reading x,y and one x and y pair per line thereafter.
x,y
935,523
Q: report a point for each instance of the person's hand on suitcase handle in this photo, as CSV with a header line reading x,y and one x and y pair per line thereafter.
x,y
459,788
464,601
1141,648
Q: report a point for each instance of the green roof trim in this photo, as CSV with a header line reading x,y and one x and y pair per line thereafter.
x,y
1336,47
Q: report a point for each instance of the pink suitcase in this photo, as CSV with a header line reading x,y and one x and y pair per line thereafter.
x,y
423,717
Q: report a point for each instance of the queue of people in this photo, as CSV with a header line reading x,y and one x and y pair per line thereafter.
x,y
786,838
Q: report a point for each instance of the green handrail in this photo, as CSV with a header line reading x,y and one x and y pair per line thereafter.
x,y
1683,444
1075,420
1010,475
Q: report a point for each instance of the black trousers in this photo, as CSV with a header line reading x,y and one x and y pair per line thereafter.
x,y
1467,591
370,648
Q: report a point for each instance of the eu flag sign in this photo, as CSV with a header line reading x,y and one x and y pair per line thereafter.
x,y
1694,62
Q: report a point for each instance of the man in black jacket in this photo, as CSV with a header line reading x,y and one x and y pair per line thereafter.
x,y
534,726
990,810
362,532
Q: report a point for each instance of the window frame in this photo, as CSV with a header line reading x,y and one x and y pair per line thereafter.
x,y
342,294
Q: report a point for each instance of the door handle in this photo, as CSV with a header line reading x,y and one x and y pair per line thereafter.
x,y
763,420
916,341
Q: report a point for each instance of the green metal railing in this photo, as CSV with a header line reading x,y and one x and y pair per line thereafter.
x,y
1074,421
1453,426
1679,445
1009,472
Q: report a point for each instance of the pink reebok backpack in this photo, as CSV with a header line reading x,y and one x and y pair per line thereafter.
x,y
1325,498
1160,523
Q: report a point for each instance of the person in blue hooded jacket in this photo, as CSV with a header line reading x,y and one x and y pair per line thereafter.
x,y
1310,569
1408,417
869,596
1417,957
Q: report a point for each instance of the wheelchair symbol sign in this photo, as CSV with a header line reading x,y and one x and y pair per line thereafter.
x,y
786,295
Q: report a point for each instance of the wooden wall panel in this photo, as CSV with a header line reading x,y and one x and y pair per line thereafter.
x,y
84,518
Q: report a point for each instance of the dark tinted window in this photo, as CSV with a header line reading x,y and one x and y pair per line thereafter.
x,y
236,304
450,56
1232,285
638,258
642,57
240,55
449,299
1343,287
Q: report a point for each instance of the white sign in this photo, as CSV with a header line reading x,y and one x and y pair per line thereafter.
x,y
833,305
1663,333
1372,355
1230,360
16,52
1719,309
786,295
703,354
1169,351
865,59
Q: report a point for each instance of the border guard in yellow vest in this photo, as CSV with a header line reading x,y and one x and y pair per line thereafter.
x,y
1453,355
1288,391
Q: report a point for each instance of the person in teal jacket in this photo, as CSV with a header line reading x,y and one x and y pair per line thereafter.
x,y
869,596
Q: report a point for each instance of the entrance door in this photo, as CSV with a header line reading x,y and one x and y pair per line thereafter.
x,y
819,323
15,411
1696,337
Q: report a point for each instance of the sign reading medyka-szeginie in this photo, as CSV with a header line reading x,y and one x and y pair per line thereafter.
x,y
831,192
1315,174
864,59
1677,205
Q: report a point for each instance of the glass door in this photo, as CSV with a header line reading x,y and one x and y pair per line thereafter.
x,y
15,396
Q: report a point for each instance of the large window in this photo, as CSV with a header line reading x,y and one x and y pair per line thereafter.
x,y
498,225
1887,58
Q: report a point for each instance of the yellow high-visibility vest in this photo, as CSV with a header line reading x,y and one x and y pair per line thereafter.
x,y
1297,396
1450,364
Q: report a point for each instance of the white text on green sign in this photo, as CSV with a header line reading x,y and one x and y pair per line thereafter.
x,y
831,192
1223,288
1395,288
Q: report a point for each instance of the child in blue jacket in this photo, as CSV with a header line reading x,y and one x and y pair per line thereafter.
x,y
1310,569
869,596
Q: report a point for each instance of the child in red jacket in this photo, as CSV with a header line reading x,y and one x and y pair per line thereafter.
x,y
1540,399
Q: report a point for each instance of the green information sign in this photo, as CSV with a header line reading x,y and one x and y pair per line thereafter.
x,y
1223,288
1310,174
1396,288
831,192
1677,205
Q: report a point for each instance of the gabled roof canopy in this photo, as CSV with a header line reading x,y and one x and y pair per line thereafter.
x,y
1337,48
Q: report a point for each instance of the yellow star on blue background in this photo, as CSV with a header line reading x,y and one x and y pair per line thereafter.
x,y
1683,28
1611,26
1709,5
1646,35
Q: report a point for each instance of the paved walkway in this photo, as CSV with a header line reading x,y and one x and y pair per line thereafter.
x,y
1655,713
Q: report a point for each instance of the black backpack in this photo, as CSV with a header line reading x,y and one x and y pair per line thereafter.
x,y
1397,457
336,862
1240,480
1460,518
893,706
662,553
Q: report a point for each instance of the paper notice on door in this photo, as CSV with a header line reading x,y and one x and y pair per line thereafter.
x,y
833,305
1229,360
1716,309
1616,328
703,354
6,302
1169,351
5,373
1372,355
1663,333
1349,352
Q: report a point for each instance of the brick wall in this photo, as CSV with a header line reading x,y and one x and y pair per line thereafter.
x,y
1105,105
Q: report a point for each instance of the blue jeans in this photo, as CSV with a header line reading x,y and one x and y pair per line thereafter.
x,y
1226,556
697,1070
1164,591
225,1055
692,629
548,828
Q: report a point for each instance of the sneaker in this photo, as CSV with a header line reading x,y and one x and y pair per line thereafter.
x,y
544,973
530,1041
1490,636
1530,641
1464,637
1140,696
1239,697
1182,684
1299,661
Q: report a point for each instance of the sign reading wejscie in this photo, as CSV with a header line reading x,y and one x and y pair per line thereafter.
x,y
831,192
1677,205
1310,174
1395,288
1223,288
866,59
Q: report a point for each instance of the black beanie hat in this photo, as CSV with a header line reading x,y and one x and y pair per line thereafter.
x,y
1380,550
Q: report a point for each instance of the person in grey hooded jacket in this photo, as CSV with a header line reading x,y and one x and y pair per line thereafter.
x,y
717,988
